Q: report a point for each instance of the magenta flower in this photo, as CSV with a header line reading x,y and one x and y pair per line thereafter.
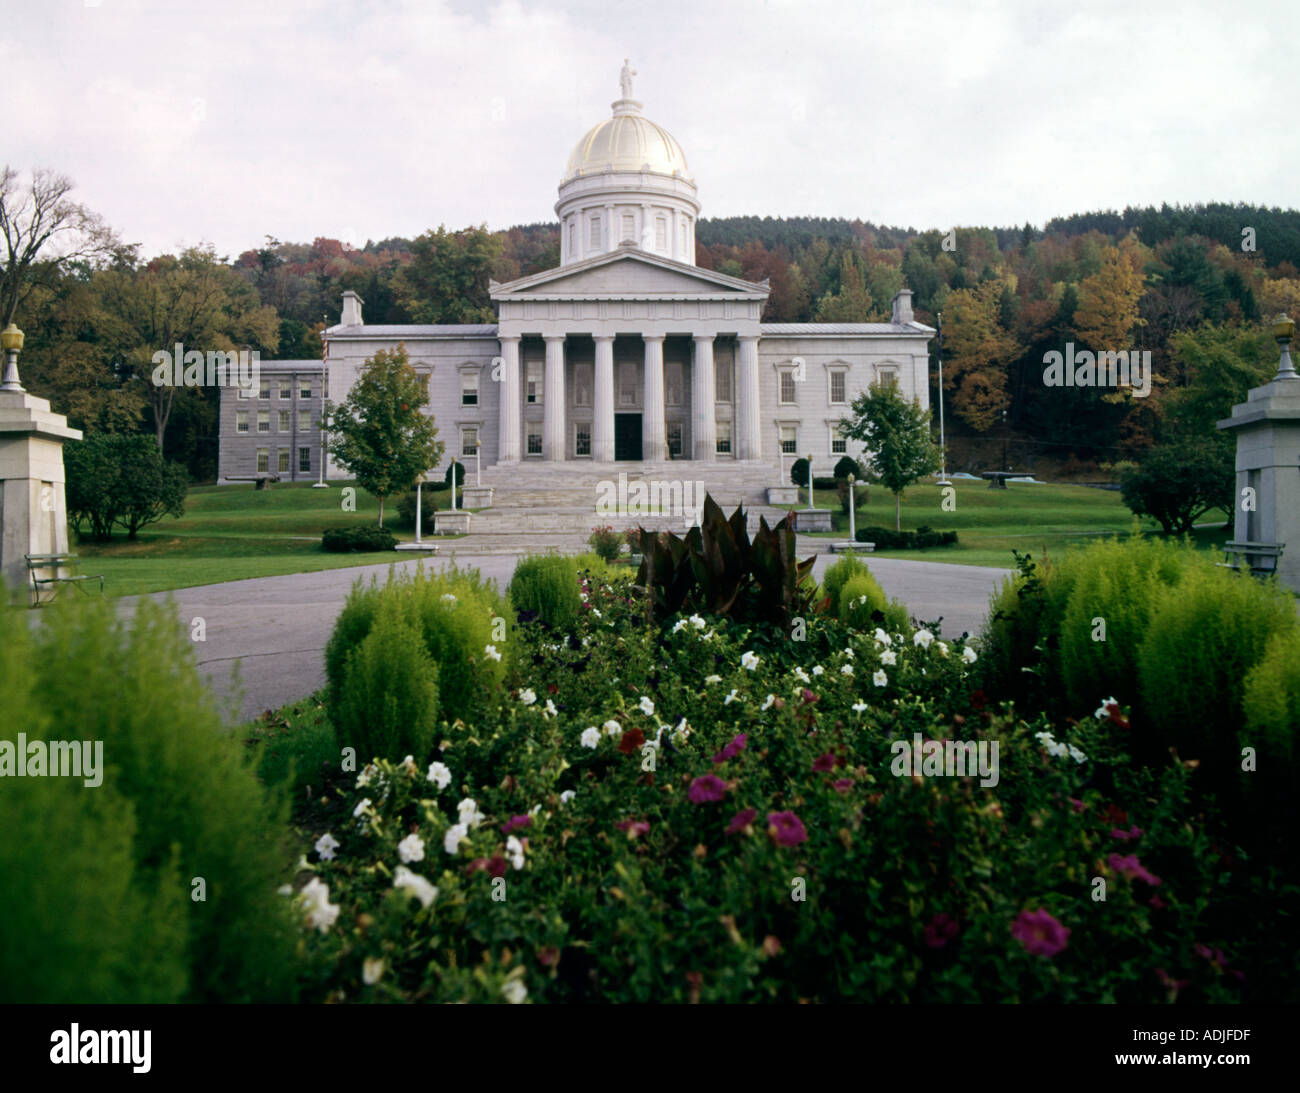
x,y
824,762
707,788
1076,804
1130,867
741,820
843,785
733,749
940,930
1039,933
633,827
514,822
786,829
1132,833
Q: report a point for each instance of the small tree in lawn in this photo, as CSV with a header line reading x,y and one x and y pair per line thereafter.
x,y
896,432
379,433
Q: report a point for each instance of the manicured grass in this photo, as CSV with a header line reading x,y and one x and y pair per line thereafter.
x,y
231,533
991,523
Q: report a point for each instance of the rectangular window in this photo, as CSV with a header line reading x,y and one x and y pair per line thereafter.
x,y
837,387
582,385
675,439
469,440
787,386
888,376
839,445
722,382
534,383
661,233
424,384
534,443
282,459
723,445
582,439
244,392
304,388
304,421
241,421
469,389
286,391
264,389
283,421
627,384
593,233
629,226
673,383
263,421
573,238
304,460
263,460
790,439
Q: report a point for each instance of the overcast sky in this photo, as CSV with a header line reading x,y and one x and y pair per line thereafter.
x,y
222,122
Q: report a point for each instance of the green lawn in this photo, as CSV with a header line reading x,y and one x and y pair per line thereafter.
x,y
230,533
991,523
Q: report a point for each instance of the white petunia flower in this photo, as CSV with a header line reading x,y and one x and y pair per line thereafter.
x,y
647,706
681,732
411,848
527,696
730,697
848,653
858,707
1077,755
922,638
455,833
439,774
882,637
846,670
515,852
567,796
749,660
801,675
818,670
968,655
367,774
550,710
889,657
679,626
326,845
768,701
697,622
880,679
942,647
315,897
408,765
1101,713
415,884
514,991
596,612
372,970
590,737
491,652
468,812
612,727
712,679
362,805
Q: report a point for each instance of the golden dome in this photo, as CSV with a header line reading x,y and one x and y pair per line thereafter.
x,y
629,142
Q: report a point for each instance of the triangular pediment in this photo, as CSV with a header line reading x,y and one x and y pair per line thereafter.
x,y
627,272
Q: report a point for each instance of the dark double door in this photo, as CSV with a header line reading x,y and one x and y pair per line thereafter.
x,y
627,436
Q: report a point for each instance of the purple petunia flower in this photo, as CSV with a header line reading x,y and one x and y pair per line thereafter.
x,y
843,785
1132,833
741,820
940,930
824,763
707,788
1039,933
1129,866
733,749
786,829
633,828
514,822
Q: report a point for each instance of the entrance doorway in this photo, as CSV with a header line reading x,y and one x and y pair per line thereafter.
x,y
627,436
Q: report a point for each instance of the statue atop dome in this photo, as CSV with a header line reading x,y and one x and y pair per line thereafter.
x,y
625,78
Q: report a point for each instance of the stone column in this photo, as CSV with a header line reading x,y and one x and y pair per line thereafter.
x,y
553,415
654,438
508,409
748,441
602,420
704,393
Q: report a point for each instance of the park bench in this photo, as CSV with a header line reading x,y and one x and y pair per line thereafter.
x,y
998,479
260,481
1261,557
55,562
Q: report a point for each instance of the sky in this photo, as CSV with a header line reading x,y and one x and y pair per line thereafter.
x,y
221,123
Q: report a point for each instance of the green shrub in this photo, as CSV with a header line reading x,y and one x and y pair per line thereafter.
x,y
837,574
459,469
799,472
546,586
365,538
1118,582
921,539
606,542
1271,703
388,704
179,802
428,506
846,466
860,600
1205,636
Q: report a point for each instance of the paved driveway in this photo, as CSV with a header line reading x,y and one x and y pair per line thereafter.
x,y
274,629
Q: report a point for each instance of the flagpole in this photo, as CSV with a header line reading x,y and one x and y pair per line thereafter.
x,y
324,388
943,451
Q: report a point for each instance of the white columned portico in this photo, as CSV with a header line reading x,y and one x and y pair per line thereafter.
x,y
704,441
748,442
602,422
553,418
654,438
508,410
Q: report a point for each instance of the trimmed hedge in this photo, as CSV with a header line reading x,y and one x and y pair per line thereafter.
x,y
923,538
363,539
545,587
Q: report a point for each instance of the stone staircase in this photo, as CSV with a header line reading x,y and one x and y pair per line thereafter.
x,y
570,499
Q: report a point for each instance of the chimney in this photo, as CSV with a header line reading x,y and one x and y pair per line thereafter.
x,y
352,309
902,307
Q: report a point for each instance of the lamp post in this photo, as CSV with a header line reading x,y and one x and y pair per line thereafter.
x,y
319,484
11,341
810,482
1004,438
853,504
943,451
419,508
780,458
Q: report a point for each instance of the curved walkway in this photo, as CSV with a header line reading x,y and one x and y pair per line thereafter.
x,y
265,637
